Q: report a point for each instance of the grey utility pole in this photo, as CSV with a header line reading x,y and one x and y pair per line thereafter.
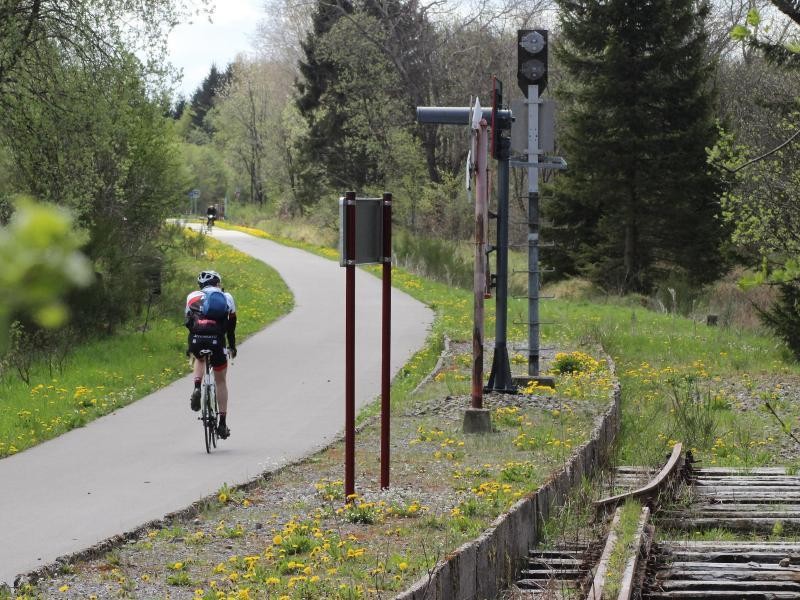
x,y
532,79
534,282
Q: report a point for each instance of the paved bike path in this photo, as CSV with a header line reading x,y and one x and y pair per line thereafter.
x,y
148,459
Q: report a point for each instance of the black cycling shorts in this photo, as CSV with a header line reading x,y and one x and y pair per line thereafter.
x,y
215,343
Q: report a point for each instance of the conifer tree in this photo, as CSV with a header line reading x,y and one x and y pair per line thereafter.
x,y
206,93
638,200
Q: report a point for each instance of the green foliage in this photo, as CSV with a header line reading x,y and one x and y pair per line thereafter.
x,y
365,67
761,203
626,532
39,248
205,95
205,170
753,17
90,34
573,362
357,510
251,130
435,258
30,345
783,318
740,33
330,490
179,578
638,201
113,162
519,472
761,207
351,122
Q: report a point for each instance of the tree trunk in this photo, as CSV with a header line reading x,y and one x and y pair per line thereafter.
x,y
629,255
429,144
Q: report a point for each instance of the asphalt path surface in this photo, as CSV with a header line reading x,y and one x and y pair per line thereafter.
x,y
148,459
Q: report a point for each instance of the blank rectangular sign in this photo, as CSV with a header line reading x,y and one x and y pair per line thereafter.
x,y
369,231
519,127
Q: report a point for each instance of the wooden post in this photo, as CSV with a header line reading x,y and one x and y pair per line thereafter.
x,y
479,284
350,346
386,322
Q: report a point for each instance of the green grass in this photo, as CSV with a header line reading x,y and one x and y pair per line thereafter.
x,y
623,549
103,375
386,546
651,350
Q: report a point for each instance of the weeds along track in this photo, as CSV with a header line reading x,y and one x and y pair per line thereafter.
x,y
757,506
715,533
592,568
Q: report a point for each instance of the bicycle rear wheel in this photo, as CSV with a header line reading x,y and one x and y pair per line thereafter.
x,y
209,418
214,413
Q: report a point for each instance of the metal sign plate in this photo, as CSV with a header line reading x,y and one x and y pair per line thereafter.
x,y
369,231
519,127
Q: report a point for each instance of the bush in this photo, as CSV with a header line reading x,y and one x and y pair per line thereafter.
x,y
573,288
783,318
30,344
574,362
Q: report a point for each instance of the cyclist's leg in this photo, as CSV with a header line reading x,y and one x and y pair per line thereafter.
x,y
220,378
198,369
220,363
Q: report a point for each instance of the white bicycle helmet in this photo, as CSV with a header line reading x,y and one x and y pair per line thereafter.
x,y
207,278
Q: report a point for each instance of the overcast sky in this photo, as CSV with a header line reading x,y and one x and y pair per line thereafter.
x,y
194,47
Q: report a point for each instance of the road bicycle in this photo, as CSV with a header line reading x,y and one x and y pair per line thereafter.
x,y
209,410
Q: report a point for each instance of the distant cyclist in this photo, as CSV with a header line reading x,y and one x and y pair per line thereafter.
x,y
211,215
211,318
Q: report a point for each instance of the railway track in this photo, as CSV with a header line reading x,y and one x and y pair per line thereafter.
x,y
580,570
557,573
735,517
758,503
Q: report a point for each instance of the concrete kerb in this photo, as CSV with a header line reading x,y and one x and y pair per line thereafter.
x,y
486,566
523,525
499,551
466,569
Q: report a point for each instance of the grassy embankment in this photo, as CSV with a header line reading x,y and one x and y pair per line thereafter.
x,y
308,546
374,546
681,380
103,375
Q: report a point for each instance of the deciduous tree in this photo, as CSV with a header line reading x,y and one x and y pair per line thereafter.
x,y
251,129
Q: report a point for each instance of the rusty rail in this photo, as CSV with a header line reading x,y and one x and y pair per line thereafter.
x,y
672,466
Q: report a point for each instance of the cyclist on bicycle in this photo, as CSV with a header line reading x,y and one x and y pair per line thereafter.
x,y
211,318
211,215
